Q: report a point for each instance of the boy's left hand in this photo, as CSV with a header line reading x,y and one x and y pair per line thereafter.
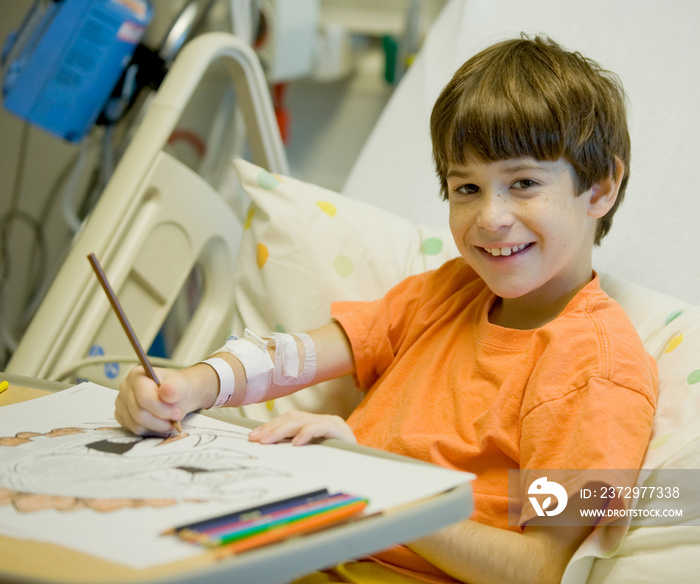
x,y
302,428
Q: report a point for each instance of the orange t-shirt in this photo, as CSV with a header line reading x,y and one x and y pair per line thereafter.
x,y
446,386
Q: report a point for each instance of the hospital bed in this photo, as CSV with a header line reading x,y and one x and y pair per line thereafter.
x,y
158,227
301,246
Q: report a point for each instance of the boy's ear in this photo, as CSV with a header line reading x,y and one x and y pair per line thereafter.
x,y
603,194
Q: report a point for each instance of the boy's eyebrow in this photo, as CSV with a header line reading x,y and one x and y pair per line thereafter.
x,y
516,166
457,173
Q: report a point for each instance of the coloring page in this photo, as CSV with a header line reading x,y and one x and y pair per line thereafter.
x,y
69,474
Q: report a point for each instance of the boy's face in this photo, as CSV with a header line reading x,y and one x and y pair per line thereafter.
x,y
520,225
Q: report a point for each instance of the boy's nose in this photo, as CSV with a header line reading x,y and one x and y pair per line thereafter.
x,y
494,212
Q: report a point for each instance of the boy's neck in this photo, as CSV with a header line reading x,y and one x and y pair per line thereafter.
x,y
529,313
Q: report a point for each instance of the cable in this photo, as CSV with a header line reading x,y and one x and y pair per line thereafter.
x,y
14,214
64,187
121,359
14,200
70,188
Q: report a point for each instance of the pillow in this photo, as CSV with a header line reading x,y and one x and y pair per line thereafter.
x,y
670,330
303,247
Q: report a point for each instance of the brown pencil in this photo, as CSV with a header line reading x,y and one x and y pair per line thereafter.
x,y
121,315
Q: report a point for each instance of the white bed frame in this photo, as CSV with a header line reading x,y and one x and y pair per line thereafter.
x,y
154,222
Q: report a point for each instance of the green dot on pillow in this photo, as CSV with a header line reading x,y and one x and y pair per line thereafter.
x,y
432,246
267,181
694,377
674,315
343,265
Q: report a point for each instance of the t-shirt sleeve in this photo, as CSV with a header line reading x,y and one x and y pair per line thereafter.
x,y
603,428
377,329
601,424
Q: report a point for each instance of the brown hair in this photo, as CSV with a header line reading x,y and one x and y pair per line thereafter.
x,y
531,97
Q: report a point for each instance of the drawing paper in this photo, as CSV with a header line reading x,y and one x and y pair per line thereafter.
x,y
70,475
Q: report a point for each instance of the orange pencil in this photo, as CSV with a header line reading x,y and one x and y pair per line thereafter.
x,y
309,525
121,315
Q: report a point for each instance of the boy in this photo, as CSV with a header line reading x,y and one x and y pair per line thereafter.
x,y
508,357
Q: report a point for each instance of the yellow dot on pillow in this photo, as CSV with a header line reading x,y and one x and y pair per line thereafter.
x,y
659,441
267,180
270,404
694,377
432,246
673,343
249,218
262,255
343,265
327,207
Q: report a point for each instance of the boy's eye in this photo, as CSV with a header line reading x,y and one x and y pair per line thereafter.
x,y
524,183
468,189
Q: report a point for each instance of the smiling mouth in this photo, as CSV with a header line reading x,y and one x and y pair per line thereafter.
x,y
506,251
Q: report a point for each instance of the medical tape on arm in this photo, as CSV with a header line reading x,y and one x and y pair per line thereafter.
x,y
288,370
260,371
227,380
251,351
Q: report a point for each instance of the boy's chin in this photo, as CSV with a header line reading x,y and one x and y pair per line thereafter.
x,y
509,291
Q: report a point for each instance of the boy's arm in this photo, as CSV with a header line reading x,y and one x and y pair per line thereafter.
x,y
477,553
143,407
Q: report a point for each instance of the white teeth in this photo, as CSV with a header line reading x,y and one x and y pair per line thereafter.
x,y
505,251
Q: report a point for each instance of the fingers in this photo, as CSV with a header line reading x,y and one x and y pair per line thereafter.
x,y
302,428
145,408
144,424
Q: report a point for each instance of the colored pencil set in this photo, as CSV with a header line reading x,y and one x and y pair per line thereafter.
x,y
258,526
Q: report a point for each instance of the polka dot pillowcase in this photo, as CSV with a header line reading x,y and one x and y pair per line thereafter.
x,y
670,330
304,247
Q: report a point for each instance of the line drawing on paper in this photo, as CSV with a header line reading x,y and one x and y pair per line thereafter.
x,y
106,468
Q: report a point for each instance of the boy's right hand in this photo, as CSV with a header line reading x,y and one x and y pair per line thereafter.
x,y
146,408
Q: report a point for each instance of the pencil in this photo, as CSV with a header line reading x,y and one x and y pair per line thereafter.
x,y
121,315
225,533
251,512
308,525
4,385
277,521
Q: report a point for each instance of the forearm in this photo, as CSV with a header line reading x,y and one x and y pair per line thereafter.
x,y
333,359
145,407
480,554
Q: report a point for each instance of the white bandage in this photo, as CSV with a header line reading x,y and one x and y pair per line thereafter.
x,y
227,381
251,351
288,370
260,371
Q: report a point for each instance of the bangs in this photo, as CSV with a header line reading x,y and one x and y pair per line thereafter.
x,y
504,116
